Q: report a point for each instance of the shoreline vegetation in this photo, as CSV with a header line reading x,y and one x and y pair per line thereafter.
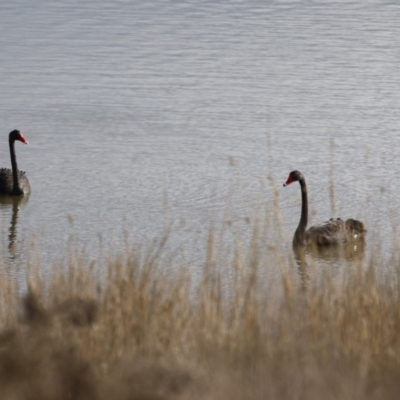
x,y
148,330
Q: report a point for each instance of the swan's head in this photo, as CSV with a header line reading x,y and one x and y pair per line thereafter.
x,y
293,177
17,135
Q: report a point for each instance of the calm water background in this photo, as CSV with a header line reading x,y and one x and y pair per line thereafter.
x,y
139,113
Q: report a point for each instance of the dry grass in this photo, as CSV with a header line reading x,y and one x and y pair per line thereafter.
x,y
144,332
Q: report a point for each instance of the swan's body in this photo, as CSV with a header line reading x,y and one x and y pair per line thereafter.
x,y
332,232
12,181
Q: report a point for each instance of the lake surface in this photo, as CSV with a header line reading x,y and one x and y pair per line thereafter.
x,y
140,114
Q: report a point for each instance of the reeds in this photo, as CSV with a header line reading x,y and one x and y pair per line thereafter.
x,y
246,328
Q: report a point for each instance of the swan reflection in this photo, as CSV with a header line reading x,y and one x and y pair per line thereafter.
x,y
14,203
350,253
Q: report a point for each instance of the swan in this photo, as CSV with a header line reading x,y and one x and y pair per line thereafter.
x,y
334,231
14,182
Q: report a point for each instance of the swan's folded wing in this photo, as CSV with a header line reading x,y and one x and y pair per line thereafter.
x,y
355,227
335,231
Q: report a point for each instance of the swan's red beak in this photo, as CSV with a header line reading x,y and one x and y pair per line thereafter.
x,y
289,181
22,138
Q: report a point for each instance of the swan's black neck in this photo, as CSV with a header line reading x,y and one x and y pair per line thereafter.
x,y
300,234
16,188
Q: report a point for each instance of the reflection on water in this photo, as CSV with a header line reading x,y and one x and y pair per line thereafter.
x,y
351,253
14,204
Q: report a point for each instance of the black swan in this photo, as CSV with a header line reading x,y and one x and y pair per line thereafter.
x,y
329,233
14,182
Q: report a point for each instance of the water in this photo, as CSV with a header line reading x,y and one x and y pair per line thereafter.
x,y
137,111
